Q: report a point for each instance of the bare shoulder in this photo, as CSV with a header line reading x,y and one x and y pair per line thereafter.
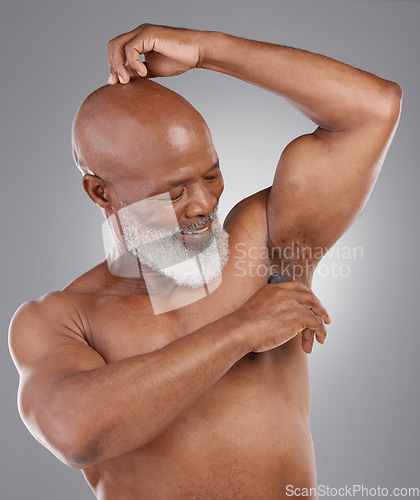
x,y
248,218
42,321
93,281
56,319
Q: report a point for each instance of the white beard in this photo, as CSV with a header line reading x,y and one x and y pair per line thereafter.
x,y
188,265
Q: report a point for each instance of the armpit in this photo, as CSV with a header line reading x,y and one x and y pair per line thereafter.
x,y
294,258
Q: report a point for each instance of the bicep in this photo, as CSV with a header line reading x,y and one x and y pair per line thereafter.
x,y
46,351
323,181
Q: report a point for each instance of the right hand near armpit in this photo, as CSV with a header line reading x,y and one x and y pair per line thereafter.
x,y
278,312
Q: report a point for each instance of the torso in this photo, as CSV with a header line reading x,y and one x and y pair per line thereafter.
x,y
247,437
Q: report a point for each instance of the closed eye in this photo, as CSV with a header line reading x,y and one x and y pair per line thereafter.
x,y
208,178
173,198
211,177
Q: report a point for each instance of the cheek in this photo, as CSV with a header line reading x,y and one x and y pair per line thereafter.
x,y
131,191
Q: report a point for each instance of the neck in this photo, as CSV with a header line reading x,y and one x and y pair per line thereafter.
x,y
132,277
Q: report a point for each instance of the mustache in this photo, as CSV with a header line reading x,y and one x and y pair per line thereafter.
x,y
201,221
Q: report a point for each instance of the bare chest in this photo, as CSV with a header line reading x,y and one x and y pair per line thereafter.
x,y
122,327
118,327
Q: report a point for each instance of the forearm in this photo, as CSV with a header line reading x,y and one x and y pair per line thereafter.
x,y
334,95
122,406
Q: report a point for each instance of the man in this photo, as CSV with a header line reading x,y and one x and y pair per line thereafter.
x,y
208,396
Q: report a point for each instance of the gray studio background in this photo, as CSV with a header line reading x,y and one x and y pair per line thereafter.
x,y
365,380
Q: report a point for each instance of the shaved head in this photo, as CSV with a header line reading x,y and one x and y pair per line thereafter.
x,y
121,128
149,163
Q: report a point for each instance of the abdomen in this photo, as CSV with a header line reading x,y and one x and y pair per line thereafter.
x,y
248,437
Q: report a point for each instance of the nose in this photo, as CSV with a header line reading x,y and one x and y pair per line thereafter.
x,y
200,203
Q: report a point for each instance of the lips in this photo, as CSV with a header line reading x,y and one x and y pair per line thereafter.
x,y
198,235
196,231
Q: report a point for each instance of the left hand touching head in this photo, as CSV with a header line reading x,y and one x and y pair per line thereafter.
x,y
167,52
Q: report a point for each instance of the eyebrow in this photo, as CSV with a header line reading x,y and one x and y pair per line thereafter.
x,y
184,181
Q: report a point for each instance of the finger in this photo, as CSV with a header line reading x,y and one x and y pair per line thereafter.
x,y
119,41
149,73
117,57
307,340
306,296
315,323
294,285
113,77
120,67
310,300
133,50
132,72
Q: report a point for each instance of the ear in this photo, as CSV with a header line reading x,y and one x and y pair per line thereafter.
x,y
98,190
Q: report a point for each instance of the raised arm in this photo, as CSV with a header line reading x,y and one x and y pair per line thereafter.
x,y
323,179
86,411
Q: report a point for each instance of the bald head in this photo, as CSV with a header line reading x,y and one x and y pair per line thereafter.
x,y
119,128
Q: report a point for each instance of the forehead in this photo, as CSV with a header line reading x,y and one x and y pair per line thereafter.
x,y
154,155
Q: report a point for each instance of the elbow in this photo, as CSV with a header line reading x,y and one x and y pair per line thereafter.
x,y
396,90
380,108
80,460
71,443
72,438
76,452
391,103
63,443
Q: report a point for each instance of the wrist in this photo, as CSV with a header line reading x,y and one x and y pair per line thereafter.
x,y
210,44
238,330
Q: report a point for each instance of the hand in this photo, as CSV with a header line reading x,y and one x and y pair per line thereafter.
x,y
278,312
167,52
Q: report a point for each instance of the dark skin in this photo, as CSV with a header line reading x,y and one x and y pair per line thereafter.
x,y
179,405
